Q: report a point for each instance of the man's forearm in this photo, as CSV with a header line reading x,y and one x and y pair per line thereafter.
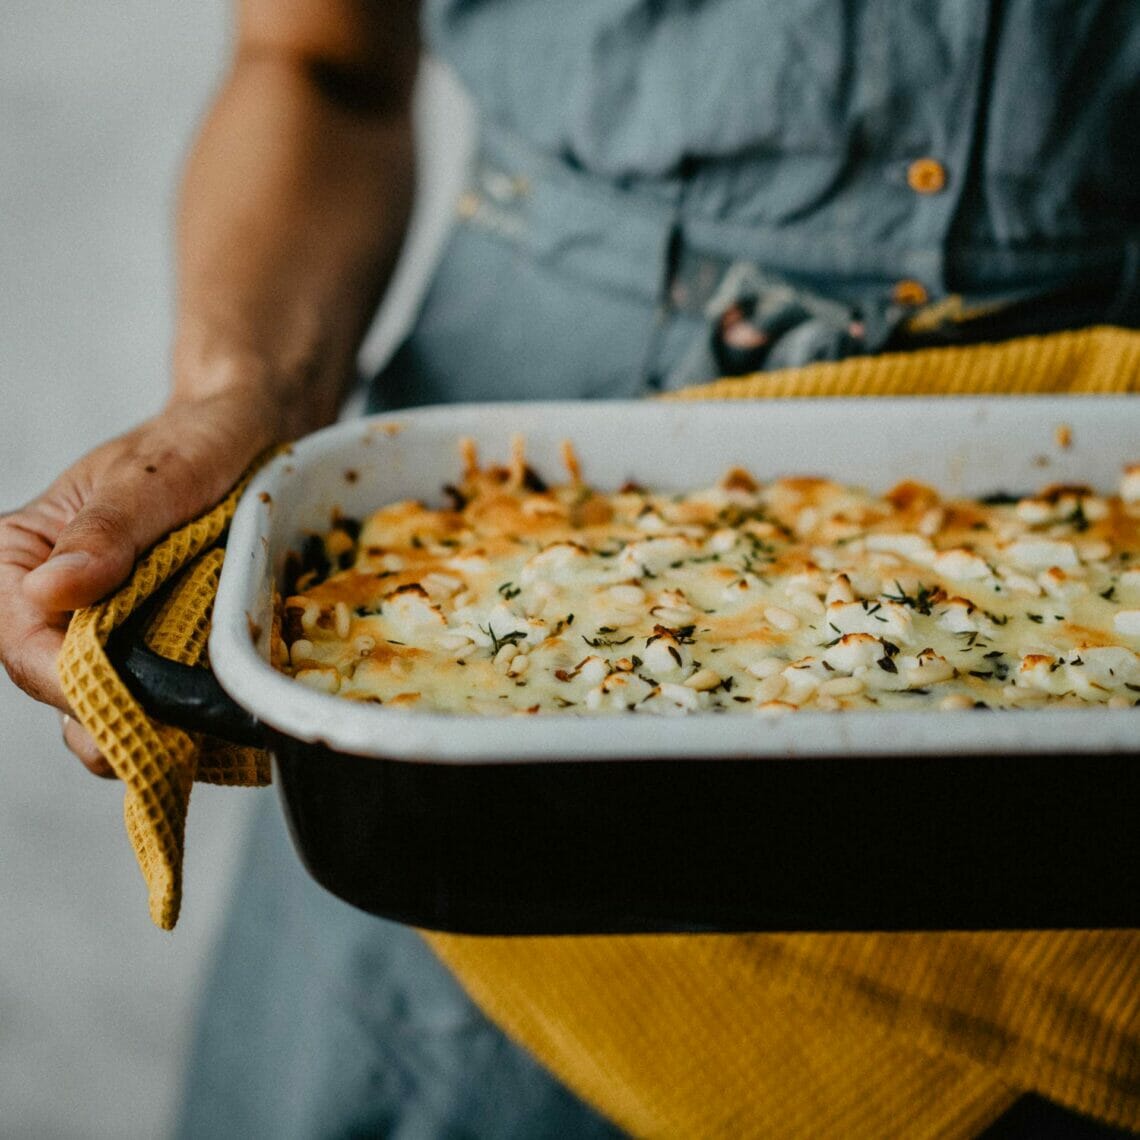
x,y
293,210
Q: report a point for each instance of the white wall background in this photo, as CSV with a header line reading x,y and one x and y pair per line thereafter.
x,y
97,104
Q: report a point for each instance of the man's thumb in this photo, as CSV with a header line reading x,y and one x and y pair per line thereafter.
x,y
93,554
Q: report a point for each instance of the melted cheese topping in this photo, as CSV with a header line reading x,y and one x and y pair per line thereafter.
x,y
795,594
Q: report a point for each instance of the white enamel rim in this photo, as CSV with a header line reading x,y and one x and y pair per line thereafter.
x,y
970,446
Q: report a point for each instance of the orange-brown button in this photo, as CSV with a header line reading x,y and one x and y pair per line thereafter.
x,y
910,293
926,176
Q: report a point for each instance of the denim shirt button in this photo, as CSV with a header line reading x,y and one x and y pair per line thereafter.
x,y
909,293
926,176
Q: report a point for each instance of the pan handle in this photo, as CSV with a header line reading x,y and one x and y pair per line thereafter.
x,y
186,696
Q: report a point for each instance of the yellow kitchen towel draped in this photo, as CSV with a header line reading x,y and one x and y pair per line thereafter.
x,y
157,763
786,1036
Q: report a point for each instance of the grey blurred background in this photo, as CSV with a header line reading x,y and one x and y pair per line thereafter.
x,y
97,105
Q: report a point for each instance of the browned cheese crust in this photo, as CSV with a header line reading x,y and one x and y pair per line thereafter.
x,y
747,596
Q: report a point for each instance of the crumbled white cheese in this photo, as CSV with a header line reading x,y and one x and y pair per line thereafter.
x,y
1039,553
1127,622
796,594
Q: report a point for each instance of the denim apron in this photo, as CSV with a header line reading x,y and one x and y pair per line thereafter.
x,y
828,179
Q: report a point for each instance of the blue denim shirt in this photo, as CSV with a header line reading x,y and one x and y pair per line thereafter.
x,y
845,176
800,122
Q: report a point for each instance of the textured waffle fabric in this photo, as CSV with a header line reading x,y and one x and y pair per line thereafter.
x,y
157,764
809,1035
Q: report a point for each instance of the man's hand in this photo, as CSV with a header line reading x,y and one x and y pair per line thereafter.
x,y
78,540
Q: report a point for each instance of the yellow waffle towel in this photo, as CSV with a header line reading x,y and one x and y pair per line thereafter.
x,y
785,1036
158,764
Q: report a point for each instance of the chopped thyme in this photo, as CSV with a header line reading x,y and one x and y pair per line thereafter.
x,y
920,601
605,642
497,641
1077,519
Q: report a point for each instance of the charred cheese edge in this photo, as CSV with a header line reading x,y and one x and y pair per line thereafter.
x,y
797,593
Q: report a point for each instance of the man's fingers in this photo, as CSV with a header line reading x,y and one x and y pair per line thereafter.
x,y
148,493
80,741
131,492
92,555
30,655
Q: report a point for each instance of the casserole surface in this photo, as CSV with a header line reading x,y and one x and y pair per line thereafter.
x,y
529,598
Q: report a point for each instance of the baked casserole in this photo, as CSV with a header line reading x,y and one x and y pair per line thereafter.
x,y
746,596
